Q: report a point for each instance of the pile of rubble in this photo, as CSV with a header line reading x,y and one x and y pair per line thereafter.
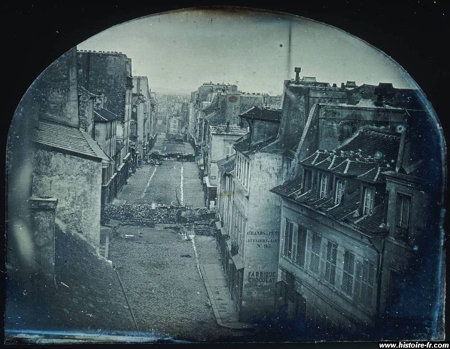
x,y
149,215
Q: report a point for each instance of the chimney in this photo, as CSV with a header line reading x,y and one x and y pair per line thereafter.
x,y
334,85
342,85
227,129
297,72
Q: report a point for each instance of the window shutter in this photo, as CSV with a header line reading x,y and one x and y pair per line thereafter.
x,y
323,256
358,276
294,241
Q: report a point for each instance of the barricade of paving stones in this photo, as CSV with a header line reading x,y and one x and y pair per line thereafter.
x,y
148,215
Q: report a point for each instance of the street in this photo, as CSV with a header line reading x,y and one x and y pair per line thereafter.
x,y
172,183
159,266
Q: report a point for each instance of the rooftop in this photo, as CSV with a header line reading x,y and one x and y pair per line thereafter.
x,y
104,115
230,130
226,165
67,138
266,114
244,144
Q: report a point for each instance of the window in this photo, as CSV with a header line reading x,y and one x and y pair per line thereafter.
x,y
301,245
349,270
330,263
403,214
307,180
323,185
315,253
339,191
369,195
289,229
364,283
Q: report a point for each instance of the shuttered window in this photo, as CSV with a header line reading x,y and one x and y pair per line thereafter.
x,y
330,262
364,283
315,253
288,232
348,273
301,246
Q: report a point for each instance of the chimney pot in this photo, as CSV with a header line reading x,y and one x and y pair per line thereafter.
x,y
297,74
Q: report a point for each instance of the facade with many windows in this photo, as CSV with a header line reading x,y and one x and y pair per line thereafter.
x,y
347,227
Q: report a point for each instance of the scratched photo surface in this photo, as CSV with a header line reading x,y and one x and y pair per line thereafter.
x,y
224,176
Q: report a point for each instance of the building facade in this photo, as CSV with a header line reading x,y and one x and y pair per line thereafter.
x,y
350,222
109,74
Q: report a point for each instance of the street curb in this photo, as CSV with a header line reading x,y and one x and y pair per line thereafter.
x,y
230,325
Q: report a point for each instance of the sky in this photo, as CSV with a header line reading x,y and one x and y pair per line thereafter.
x,y
179,51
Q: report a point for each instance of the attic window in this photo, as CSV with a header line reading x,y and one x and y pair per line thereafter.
x,y
323,185
339,191
369,196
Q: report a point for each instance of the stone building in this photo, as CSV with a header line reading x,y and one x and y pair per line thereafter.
x,y
249,228
353,225
109,73
68,166
143,116
61,176
101,125
219,146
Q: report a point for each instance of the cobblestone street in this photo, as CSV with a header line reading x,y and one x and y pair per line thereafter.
x,y
159,271
160,266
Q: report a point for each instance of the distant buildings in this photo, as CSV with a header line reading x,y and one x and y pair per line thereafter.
x,y
219,146
143,117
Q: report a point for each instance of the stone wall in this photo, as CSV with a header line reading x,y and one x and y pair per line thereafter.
x,y
42,224
56,91
76,183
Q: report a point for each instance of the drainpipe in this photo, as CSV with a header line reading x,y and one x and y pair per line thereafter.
x,y
379,276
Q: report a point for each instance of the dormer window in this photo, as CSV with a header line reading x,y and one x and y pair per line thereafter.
x,y
368,203
323,190
339,191
307,180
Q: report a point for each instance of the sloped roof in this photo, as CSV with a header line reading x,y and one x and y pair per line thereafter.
x,y
226,165
266,114
244,144
369,142
104,115
232,130
67,138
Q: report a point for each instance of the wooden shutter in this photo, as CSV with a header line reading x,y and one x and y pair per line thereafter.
x,y
294,241
358,278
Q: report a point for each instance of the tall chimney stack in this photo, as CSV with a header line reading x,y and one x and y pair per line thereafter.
x,y
297,74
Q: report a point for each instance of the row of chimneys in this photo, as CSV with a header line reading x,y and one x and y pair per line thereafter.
x,y
297,79
93,51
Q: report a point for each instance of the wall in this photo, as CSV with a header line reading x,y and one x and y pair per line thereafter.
x,y
261,238
76,183
415,260
263,130
56,89
42,222
329,299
